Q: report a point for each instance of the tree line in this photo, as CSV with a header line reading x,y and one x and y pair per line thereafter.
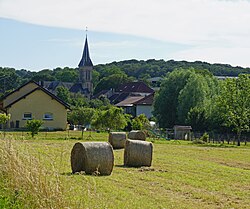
x,y
106,76
194,97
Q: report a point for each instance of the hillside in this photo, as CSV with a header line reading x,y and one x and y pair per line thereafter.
x,y
11,78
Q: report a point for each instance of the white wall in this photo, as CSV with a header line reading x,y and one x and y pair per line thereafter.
x,y
144,109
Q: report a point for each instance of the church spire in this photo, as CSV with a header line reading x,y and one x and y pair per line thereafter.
x,y
85,61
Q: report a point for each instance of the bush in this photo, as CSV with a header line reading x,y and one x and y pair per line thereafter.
x,y
33,126
136,124
205,137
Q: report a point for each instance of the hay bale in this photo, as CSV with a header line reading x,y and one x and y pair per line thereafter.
x,y
137,135
138,153
92,157
117,139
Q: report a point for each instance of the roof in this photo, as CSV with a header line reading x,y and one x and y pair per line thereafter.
x,y
135,87
118,97
31,81
130,101
147,100
85,61
77,87
102,92
52,85
177,127
45,91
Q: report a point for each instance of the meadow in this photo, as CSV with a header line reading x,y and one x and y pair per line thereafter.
x,y
36,173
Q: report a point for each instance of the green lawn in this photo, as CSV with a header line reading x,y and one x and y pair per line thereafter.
x,y
182,176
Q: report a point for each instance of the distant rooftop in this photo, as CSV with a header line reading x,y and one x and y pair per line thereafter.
x,y
135,87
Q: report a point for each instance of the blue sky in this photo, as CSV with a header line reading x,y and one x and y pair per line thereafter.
x,y
35,47
42,34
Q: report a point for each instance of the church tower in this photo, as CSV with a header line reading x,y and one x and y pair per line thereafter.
x,y
85,69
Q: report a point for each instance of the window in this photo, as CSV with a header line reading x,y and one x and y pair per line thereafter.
x,y
27,116
48,116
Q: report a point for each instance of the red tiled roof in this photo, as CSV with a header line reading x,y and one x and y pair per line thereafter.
x,y
135,87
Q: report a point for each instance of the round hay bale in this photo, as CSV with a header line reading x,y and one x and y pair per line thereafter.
x,y
137,135
117,139
92,157
138,153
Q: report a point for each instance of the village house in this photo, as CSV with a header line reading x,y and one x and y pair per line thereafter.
x,y
32,101
137,105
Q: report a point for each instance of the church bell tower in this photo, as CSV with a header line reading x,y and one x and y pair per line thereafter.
x,y
85,68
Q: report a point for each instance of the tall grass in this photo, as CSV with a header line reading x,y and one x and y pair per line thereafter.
x,y
26,180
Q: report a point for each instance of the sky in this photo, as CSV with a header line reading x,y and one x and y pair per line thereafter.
x,y
45,34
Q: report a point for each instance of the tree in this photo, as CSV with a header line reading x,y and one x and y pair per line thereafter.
x,y
78,100
166,101
115,118
234,104
140,122
194,101
185,98
33,126
66,74
136,124
112,119
81,116
4,119
63,93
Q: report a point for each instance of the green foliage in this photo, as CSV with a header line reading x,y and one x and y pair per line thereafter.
x,y
185,98
140,122
9,80
78,100
205,137
63,93
33,126
234,104
136,124
66,75
140,70
111,119
166,101
4,118
82,116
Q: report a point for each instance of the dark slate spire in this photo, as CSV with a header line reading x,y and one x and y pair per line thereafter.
x,y
85,61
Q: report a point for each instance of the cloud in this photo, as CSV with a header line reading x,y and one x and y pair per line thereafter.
x,y
206,24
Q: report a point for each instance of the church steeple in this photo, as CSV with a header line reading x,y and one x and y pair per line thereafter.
x,y
85,68
85,61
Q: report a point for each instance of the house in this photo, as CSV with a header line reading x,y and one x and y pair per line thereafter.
x,y
130,89
137,105
134,97
32,101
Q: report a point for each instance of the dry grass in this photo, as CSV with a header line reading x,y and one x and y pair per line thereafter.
x,y
37,174
26,176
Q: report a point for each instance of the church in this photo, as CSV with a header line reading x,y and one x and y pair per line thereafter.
x,y
84,85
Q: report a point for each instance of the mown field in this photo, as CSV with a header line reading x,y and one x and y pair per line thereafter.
x,y
36,173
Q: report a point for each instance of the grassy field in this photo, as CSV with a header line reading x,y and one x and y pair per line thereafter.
x,y
36,173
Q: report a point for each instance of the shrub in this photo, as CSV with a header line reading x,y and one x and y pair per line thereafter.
x,y
33,126
205,137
